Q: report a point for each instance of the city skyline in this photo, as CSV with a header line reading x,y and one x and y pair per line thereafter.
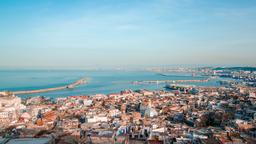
x,y
95,34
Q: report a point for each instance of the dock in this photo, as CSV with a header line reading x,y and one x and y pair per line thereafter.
x,y
172,81
70,86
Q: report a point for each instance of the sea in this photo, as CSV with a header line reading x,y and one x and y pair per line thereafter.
x,y
99,81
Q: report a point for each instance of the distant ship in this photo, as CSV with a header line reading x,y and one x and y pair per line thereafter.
x,y
177,87
161,74
182,88
170,87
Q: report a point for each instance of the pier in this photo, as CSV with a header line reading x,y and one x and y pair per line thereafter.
x,y
70,86
172,81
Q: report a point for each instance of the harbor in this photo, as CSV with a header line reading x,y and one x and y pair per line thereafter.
x,y
100,82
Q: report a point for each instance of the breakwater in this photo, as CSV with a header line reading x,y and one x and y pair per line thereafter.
x,y
172,81
70,86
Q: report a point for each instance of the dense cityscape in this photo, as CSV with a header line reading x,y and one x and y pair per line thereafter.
x,y
127,72
177,114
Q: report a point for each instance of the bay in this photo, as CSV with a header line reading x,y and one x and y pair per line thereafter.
x,y
100,82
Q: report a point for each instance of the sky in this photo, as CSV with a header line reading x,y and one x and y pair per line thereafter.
x,y
126,33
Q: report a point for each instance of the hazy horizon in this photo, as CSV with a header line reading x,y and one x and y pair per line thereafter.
x,y
100,34
129,68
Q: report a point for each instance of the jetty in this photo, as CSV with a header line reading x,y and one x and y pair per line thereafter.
x,y
70,86
172,81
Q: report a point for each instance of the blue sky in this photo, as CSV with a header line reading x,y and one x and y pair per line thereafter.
x,y
126,33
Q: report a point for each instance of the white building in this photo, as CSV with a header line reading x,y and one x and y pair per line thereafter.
x,y
150,112
114,112
10,101
252,95
10,106
93,119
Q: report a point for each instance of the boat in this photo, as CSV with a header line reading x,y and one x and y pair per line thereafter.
x,y
177,87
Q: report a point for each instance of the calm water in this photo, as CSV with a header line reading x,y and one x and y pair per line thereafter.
x,y
100,81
